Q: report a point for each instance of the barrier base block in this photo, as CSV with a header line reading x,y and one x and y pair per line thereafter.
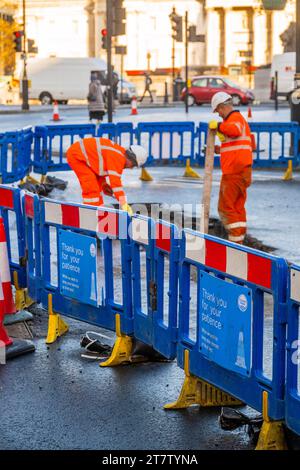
x,y
288,175
189,172
197,392
122,350
272,436
22,299
18,317
56,328
145,176
18,348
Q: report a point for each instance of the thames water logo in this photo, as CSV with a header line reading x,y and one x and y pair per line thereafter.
x,y
242,303
92,250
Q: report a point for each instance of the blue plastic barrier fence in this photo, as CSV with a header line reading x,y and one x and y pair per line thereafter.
x,y
155,283
122,133
232,318
32,227
52,142
15,155
78,269
167,142
11,211
276,144
293,353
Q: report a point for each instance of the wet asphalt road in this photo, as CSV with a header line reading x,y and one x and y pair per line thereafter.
x,y
54,399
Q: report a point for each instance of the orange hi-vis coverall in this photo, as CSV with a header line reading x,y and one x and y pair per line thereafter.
x,y
236,165
93,159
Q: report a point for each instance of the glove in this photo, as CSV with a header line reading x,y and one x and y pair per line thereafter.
x,y
221,136
107,189
126,207
213,125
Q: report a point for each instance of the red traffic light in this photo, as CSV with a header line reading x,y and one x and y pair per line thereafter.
x,y
18,34
104,32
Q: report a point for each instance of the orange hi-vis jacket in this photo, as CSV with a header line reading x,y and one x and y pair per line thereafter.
x,y
105,159
236,150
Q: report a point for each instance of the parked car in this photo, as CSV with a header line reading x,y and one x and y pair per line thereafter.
x,y
204,87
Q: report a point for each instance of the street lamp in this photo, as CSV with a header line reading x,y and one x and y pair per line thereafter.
x,y
25,104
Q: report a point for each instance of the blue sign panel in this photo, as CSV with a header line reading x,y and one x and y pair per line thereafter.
x,y
78,266
225,323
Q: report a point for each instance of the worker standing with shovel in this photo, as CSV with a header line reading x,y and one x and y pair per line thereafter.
x,y
236,164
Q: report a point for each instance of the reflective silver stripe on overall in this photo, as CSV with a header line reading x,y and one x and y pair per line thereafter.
x,y
84,151
118,189
100,156
236,147
236,225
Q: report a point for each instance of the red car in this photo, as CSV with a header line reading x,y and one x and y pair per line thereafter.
x,y
204,87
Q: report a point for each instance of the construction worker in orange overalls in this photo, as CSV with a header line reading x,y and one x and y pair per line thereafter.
x,y
236,164
94,159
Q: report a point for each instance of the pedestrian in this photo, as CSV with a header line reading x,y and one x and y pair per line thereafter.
x,y
95,99
236,164
148,83
94,159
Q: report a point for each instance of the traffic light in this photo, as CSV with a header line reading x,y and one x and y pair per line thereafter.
x,y
193,36
104,38
176,22
31,47
18,35
119,18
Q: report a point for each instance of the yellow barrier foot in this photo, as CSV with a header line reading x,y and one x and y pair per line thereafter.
x,y
56,325
271,436
198,392
288,175
22,299
30,179
122,349
145,176
189,172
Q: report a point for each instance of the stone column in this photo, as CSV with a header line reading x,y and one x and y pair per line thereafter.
x,y
222,45
269,31
90,9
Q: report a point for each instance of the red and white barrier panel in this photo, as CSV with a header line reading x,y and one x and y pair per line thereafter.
x,y
29,206
85,218
233,261
139,230
9,304
140,234
295,285
6,198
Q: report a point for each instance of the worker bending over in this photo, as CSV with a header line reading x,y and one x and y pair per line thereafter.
x,y
94,159
236,164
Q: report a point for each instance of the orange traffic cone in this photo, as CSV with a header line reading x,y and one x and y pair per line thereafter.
x,y
134,106
9,303
4,338
249,113
55,115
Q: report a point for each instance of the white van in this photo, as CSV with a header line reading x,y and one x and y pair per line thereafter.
x,y
60,79
285,65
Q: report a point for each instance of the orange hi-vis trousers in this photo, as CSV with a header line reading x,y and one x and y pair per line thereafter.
x,y
232,199
91,183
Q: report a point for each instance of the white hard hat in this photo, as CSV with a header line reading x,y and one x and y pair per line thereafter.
x,y
138,153
219,98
